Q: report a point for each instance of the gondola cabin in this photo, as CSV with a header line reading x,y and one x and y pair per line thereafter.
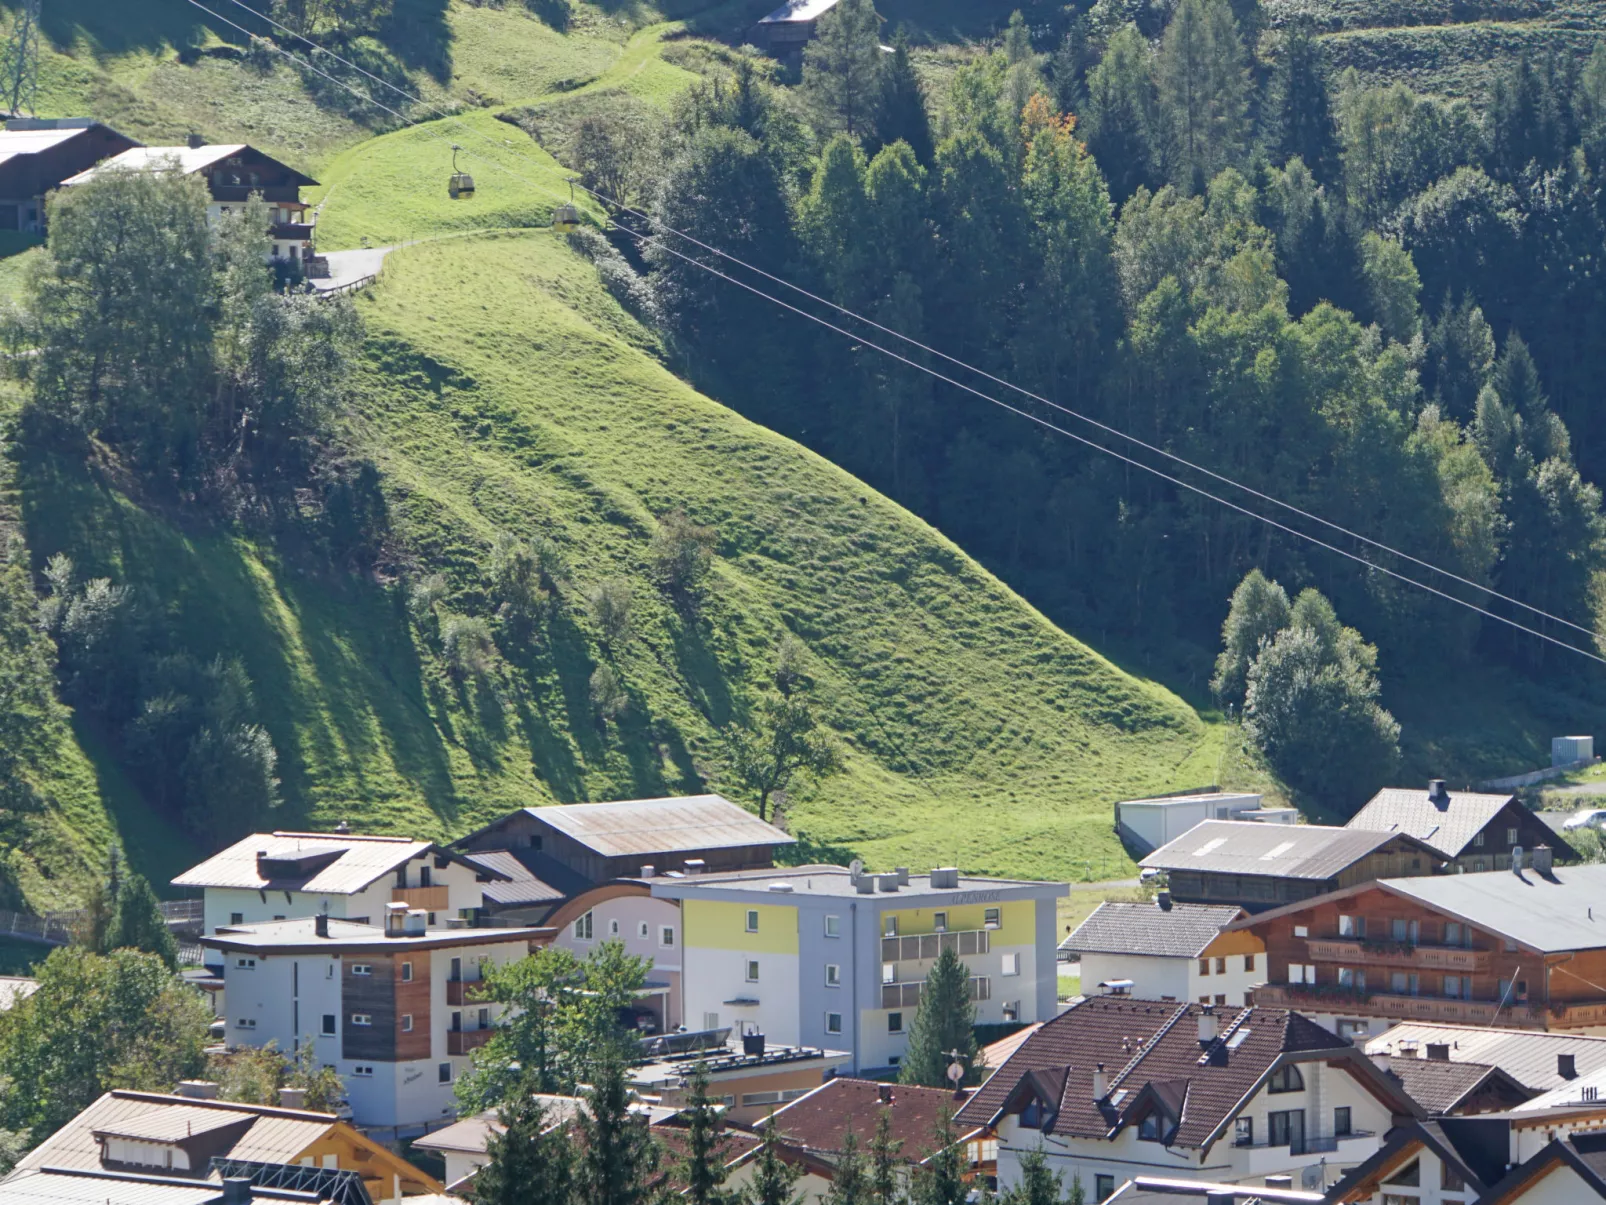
x,y
565,218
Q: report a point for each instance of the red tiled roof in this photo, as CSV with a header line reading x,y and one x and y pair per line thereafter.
x,y
1143,1043
732,1145
822,1120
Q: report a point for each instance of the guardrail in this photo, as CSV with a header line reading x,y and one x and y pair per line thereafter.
x,y
351,286
43,929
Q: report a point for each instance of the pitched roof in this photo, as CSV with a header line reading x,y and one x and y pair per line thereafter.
x,y
1283,851
1551,914
1171,931
1447,823
188,159
1585,1154
1439,1086
272,1136
996,1054
1528,1056
648,826
327,863
1475,1147
798,10
822,1120
31,142
518,885
14,989
1145,1042
58,1186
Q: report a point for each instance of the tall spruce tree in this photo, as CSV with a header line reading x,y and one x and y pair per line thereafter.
x,y
1297,117
900,106
940,1178
1121,118
850,1184
1204,92
884,1161
842,68
702,1170
619,1159
944,1022
137,922
528,1164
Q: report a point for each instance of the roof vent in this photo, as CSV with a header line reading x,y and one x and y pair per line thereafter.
x,y
886,882
457,922
1516,858
903,875
1163,899
320,925
1380,1060
343,828
1543,859
1437,795
945,877
197,1089
884,1093
195,141
648,870
417,922
292,1098
1567,1066
864,884
395,919
1438,1052
237,1190
694,866
781,885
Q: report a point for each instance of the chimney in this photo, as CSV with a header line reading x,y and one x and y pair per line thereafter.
x,y
395,919
903,875
416,923
864,884
1438,1052
1437,795
1208,1027
945,877
197,1089
887,882
196,142
694,866
1163,899
1101,1083
237,1190
292,1098
1380,1060
1516,859
320,924
1567,1066
1543,858
648,870
884,1093
343,829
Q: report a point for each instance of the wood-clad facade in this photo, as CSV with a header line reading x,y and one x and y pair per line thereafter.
x,y
1399,858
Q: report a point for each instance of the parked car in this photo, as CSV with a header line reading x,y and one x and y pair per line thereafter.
x,y
1588,818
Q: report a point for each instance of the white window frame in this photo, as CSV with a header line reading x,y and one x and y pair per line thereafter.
x,y
362,1070
752,920
362,968
1011,963
245,964
584,927
833,925
898,1016
752,970
666,937
406,972
939,922
645,929
992,918
833,974
362,1020
245,1023
837,1027
407,1023
613,927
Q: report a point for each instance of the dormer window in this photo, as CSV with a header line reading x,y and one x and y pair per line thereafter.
x,y
1152,1127
1031,1117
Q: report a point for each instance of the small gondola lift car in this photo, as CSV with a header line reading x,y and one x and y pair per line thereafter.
x,y
566,217
461,184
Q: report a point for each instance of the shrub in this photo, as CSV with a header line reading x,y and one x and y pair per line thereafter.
x,y
609,605
608,697
682,553
468,646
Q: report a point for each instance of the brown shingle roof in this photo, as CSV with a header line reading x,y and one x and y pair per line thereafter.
x,y
1439,1086
1143,1043
1448,824
822,1120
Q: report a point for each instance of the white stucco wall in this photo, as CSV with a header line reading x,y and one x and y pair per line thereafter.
x,y
623,919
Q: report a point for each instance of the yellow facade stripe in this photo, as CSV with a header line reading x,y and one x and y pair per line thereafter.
x,y
717,925
1017,927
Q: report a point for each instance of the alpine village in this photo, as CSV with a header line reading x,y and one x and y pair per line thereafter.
x,y
868,602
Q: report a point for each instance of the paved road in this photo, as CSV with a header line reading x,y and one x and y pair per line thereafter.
x,y
347,266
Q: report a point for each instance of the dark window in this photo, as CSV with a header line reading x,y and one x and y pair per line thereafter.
x,y
446,1073
401,875
329,1024
1031,1117
894,1022
1151,1128
1103,1187
1450,1180
1286,1079
1243,1132
1341,1122
424,875
236,918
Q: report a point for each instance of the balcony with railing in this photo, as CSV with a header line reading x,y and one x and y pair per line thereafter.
x,y
299,232
1397,1006
463,992
926,947
907,994
462,1041
430,899
1357,951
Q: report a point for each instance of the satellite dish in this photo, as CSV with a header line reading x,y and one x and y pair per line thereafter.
x,y
955,1072
855,868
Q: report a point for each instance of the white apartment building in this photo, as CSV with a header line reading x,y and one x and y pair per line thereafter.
x,y
821,956
286,876
647,926
1167,951
392,1008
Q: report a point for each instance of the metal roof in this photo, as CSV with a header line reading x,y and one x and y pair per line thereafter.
x,y
274,1136
31,142
169,1124
1174,931
1448,824
1439,1085
1282,851
360,861
520,885
188,159
57,1185
647,826
1550,913
1528,1056
799,10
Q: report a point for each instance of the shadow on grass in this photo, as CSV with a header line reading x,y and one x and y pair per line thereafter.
x,y
812,852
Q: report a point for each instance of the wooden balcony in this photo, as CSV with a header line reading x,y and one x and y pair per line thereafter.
x,y
1354,952
461,992
430,899
461,1041
1398,1007
294,231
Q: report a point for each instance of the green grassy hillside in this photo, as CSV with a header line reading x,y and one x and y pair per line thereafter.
x,y
503,389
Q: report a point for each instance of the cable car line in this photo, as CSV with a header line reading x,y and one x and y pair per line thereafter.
x,y
650,239
1078,415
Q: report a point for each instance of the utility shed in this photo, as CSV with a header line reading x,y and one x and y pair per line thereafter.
x,y
1260,866
37,154
791,25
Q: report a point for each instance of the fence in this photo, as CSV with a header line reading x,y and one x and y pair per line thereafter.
x,y
350,286
47,930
